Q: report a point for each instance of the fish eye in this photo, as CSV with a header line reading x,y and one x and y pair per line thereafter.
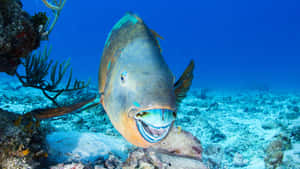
x,y
123,76
174,114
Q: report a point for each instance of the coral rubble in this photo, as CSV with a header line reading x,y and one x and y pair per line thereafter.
x,y
21,144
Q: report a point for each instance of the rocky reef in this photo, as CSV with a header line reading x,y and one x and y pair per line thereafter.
x,y
19,34
21,142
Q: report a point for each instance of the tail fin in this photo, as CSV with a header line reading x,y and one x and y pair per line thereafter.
x,y
41,114
184,83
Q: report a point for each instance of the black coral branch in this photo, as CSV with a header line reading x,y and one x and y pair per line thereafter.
x,y
37,68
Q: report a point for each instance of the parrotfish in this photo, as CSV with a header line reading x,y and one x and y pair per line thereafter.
x,y
138,90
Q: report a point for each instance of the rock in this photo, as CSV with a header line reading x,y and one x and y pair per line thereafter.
x,y
180,142
214,156
275,150
217,136
214,106
296,109
286,141
291,157
179,162
239,161
268,124
99,167
292,115
150,159
113,162
274,160
68,166
296,133
84,146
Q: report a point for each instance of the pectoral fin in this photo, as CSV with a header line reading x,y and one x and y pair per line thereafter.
x,y
184,83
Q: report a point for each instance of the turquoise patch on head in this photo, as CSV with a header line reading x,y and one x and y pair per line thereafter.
x,y
107,42
124,74
136,104
108,66
127,18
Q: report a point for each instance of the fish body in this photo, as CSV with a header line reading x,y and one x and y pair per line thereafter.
x,y
135,83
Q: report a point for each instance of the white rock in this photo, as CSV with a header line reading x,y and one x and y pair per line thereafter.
x,y
68,166
86,147
239,161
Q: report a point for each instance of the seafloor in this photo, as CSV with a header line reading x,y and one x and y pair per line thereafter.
x,y
243,128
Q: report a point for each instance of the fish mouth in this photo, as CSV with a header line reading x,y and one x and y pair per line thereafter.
x,y
155,124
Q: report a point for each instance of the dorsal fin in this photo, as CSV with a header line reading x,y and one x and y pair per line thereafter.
x,y
184,83
156,35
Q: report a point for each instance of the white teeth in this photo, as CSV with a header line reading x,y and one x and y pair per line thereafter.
x,y
155,131
152,134
154,124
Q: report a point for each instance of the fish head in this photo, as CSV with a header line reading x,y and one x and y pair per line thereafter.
x,y
141,102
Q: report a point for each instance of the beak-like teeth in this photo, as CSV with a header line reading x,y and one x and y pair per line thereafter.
x,y
156,132
154,124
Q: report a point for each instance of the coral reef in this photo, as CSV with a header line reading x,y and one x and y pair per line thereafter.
x,y
18,35
21,33
21,142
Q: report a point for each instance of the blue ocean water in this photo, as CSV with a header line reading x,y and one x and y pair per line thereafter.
x,y
232,42
235,44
